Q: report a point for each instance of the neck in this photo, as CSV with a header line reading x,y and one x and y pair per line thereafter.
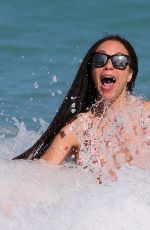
x,y
104,105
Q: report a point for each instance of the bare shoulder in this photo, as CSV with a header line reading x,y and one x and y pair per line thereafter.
x,y
81,121
69,131
83,117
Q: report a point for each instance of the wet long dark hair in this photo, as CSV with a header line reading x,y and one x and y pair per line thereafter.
x,y
83,94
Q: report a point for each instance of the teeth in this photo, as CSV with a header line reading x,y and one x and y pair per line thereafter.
x,y
108,79
114,80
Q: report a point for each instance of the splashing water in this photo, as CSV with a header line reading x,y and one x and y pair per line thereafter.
x,y
13,146
36,195
117,138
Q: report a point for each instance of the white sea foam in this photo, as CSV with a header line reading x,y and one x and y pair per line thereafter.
x,y
35,195
19,138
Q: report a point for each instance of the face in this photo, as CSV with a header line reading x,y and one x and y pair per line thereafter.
x,y
109,81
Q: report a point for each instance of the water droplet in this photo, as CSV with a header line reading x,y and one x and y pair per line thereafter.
x,y
36,85
55,78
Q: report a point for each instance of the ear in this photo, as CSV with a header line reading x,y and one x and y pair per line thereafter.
x,y
129,77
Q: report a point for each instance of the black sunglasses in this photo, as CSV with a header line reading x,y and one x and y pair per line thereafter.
x,y
119,61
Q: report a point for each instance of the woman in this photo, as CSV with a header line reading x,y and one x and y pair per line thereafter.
x,y
98,96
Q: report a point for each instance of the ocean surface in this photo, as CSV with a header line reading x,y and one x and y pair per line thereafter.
x,y
42,43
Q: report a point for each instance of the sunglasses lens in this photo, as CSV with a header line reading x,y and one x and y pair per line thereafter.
x,y
99,60
120,61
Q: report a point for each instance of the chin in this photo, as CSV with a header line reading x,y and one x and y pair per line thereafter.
x,y
108,96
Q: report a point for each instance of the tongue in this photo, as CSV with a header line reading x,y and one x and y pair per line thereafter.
x,y
108,86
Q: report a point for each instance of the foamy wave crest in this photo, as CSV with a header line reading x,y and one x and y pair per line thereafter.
x,y
19,138
36,195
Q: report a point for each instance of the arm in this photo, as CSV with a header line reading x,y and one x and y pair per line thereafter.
x,y
61,146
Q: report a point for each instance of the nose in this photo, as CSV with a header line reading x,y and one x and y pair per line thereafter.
x,y
108,65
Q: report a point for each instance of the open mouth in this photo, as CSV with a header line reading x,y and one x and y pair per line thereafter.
x,y
108,80
108,83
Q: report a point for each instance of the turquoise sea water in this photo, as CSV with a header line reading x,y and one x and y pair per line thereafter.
x,y
42,43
